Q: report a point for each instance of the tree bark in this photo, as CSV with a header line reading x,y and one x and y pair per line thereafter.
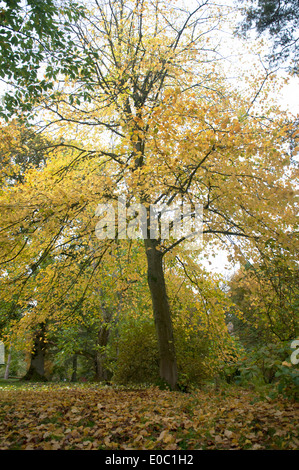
x,y
101,371
36,371
162,314
6,375
75,367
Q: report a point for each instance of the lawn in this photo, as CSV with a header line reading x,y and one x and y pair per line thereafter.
x,y
91,416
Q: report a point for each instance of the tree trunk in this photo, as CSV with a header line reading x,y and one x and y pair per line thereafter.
x,y
157,286
6,375
36,371
101,371
162,315
75,367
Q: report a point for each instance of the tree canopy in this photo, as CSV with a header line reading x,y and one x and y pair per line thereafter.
x,y
140,108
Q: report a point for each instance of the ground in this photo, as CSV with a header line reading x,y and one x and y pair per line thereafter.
x,y
90,416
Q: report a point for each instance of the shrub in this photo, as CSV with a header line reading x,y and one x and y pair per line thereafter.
x,y
269,365
138,357
261,364
288,381
192,357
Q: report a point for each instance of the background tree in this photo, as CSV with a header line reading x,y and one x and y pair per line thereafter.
x,y
280,20
267,294
21,148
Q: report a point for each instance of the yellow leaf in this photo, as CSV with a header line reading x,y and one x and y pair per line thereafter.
x,y
75,410
166,437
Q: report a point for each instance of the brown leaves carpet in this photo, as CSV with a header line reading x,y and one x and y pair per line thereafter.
x,y
53,417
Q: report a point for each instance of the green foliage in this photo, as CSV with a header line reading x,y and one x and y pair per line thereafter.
x,y
192,356
288,381
262,363
138,357
68,341
267,365
17,366
32,31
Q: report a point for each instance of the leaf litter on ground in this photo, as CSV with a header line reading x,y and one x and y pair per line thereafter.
x,y
94,417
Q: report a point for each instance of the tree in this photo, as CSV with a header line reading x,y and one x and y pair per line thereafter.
x,y
280,20
149,115
30,34
267,294
21,148
36,371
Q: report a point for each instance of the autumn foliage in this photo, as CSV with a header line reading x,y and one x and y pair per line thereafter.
x,y
139,106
